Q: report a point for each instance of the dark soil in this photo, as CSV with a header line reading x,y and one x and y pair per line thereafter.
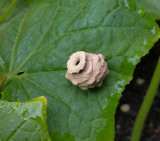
x,y
134,95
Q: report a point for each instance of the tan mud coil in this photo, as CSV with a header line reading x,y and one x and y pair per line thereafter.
x,y
86,70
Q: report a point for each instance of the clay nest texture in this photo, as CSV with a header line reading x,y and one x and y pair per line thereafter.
x,y
86,70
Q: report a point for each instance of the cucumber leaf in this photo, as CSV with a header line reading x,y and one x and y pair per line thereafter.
x,y
24,121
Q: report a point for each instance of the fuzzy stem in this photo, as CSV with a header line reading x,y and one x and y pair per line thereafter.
x,y
146,105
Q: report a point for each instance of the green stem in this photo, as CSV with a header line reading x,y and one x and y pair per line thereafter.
x,y
143,112
8,11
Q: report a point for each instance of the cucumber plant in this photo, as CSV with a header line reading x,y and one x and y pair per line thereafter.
x,y
36,39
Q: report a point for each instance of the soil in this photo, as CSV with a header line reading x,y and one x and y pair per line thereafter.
x,y
133,96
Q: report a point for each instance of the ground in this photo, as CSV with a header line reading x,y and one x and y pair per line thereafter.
x,y
133,96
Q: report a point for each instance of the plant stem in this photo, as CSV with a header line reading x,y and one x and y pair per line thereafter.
x,y
145,107
8,11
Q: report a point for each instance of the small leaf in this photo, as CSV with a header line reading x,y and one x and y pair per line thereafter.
x,y
24,121
38,42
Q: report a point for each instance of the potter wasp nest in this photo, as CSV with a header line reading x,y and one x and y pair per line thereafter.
x,y
86,70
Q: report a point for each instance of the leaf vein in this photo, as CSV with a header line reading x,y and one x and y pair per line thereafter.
x,y
15,43
49,27
13,133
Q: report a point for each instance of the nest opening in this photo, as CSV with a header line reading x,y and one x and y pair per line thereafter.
x,y
77,62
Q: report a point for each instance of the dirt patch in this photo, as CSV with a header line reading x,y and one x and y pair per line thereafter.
x,y
133,97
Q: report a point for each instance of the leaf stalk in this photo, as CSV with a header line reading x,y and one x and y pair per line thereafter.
x,y
146,105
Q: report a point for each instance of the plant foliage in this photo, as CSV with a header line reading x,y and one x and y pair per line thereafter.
x,y
36,42
25,121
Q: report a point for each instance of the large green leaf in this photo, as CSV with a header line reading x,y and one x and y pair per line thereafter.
x,y
39,42
25,121
152,6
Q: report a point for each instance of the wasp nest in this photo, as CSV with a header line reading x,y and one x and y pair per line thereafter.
x,y
86,70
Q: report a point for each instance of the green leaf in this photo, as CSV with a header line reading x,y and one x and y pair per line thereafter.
x,y
152,6
24,121
35,46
